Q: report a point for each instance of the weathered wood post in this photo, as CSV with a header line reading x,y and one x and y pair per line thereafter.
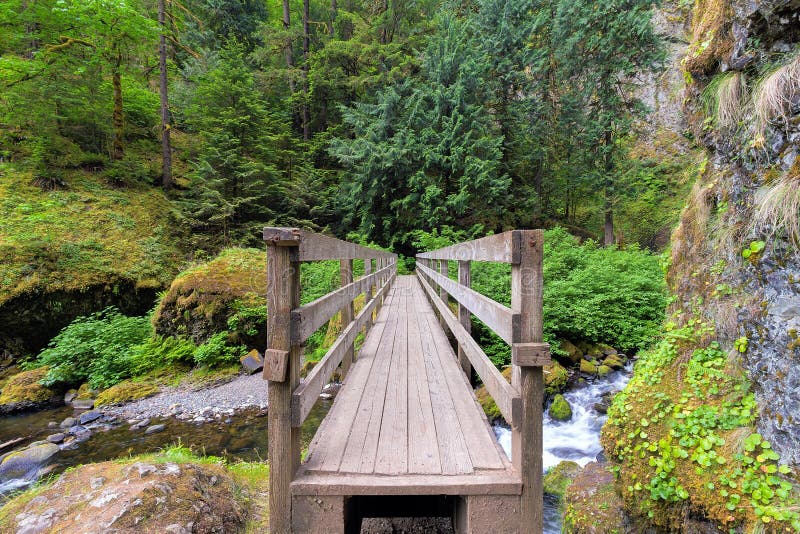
x,y
282,370
443,268
346,277
368,293
465,279
529,354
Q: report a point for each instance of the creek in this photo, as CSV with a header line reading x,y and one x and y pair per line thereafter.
x,y
578,439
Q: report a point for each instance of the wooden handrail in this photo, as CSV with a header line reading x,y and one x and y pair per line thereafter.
x,y
503,393
308,318
307,393
521,326
289,325
496,316
501,248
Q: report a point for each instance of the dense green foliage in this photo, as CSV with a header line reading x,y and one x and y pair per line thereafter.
x,y
94,349
592,294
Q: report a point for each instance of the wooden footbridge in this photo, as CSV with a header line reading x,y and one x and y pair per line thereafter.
x,y
405,435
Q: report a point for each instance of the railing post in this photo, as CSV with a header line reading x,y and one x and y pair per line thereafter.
x,y
526,300
346,277
443,268
283,295
465,279
368,293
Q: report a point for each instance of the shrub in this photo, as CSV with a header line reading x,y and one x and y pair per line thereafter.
x,y
216,352
158,352
96,348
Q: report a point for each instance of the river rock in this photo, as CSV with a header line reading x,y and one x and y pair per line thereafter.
x,y
70,396
88,417
140,424
152,429
83,404
56,438
52,424
253,362
68,422
26,463
574,354
560,410
588,368
110,497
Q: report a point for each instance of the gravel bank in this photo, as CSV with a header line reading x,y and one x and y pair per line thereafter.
x,y
185,403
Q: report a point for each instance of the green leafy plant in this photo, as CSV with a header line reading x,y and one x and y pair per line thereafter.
x,y
217,352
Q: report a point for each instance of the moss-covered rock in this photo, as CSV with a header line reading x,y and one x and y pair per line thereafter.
x,y
24,392
555,381
560,410
574,354
614,361
126,391
603,370
592,506
144,495
226,293
558,478
588,368
52,270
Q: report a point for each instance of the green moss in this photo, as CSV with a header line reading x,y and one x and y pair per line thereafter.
x,y
25,387
557,478
44,246
592,503
603,370
560,410
588,367
555,380
125,391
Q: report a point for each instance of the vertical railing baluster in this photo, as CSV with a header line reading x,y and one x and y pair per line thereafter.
x,y
346,277
368,293
526,300
443,268
283,295
465,279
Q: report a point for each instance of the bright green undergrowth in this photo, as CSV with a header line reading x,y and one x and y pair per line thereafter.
x,y
591,293
683,431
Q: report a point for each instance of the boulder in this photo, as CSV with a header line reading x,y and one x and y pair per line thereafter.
x,y
614,362
574,354
68,422
592,505
588,368
56,438
25,464
603,370
152,429
133,497
88,417
560,410
606,350
557,478
70,395
23,391
253,362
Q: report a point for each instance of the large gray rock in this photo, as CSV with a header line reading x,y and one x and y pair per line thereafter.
x,y
25,464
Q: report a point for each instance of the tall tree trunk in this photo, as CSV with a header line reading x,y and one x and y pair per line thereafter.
x,y
334,12
384,29
166,148
608,186
306,42
287,21
118,149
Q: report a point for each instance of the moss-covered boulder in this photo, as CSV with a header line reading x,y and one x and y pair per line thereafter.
x,y
603,370
126,391
592,505
555,381
77,250
132,496
560,410
226,293
588,368
24,392
557,478
574,354
615,361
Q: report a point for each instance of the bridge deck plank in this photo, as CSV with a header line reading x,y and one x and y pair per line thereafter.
x,y
406,419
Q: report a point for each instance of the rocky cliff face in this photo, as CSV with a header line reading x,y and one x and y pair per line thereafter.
x,y
708,430
735,256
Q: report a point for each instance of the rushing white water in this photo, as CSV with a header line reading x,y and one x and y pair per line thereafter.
x,y
577,439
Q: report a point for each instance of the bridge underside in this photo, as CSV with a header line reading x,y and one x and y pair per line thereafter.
x,y
406,435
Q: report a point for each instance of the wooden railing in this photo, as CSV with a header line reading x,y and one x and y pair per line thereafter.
x,y
289,325
520,326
